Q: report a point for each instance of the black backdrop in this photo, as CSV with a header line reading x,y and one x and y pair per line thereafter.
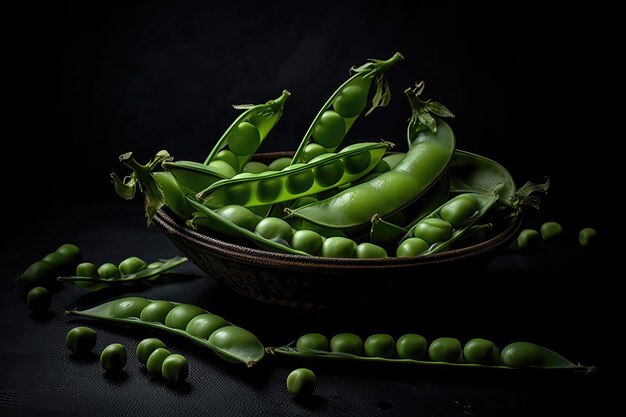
x,y
99,79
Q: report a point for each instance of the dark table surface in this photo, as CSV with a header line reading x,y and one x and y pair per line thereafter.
x,y
540,297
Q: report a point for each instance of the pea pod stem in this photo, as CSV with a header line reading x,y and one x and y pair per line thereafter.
x,y
373,69
271,108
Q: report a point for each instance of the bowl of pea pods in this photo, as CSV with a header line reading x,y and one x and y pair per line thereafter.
x,y
327,222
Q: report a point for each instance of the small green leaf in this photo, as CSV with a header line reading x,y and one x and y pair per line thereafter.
x,y
439,109
382,97
425,118
124,188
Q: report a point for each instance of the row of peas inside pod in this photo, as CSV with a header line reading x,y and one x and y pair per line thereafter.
x,y
358,201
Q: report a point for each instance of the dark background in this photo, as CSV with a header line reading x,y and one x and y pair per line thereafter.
x,y
526,82
529,85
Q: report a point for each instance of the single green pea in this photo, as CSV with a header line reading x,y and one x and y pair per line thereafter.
x,y
244,140
146,347
351,101
587,236
113,358
481,352
132,265
180,316
229,157
204,325
71,252
315,341
268,189
81,340
460,209
238,194
175,368
232,338
379,345
87,269
412,247
329,173
551,230
338,247
357,163
329,129
299,182
128,307
222,168
301,382
311,151
307,241
303,201
528,239
109,271
370,250
433,230
254,167
273,227
525,354
56,259
445,349
239,215
346,343
156,311
38,299
279,164
411,346
154,364
38,272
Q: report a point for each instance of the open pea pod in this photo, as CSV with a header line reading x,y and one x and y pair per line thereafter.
x,y
449,222
470,172
159,188
518,357
150,273
210,219
432,146
244,136
320,174
229,342
345,105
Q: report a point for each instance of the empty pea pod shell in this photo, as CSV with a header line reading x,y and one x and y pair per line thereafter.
x,y
322,173
146,274
230,342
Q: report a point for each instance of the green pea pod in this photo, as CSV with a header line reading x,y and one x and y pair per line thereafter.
x,y
320,174
551,361
214,221
249,130
159,188
231,343
144,275
346,104
484,203
475,173
431,149
385,232
193,177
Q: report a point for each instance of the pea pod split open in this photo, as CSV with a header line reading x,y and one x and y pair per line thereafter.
x,y
431,149
320,174
229,342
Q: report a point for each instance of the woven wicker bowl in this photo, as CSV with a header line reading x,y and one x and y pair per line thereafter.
x,y
311,282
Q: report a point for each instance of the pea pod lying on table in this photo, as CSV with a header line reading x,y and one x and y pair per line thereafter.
x,y
331,125
412,351
88,278
229,342
432,146
320,174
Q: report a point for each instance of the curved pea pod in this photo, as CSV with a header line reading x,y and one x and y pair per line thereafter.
x,y
324,356
470,172
145,275
210,219
347,103
320,174
193,177
425,162
159,188
387,232
232,343
483,202
242,139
